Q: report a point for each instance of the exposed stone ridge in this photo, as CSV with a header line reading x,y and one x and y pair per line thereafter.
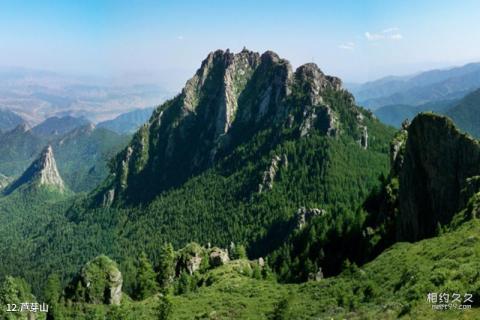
x,y
229,93
270,174
42,172
313,83
438,164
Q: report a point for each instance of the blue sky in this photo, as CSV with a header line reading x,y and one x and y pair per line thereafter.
x,y
356,40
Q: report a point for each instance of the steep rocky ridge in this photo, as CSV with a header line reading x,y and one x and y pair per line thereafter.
x,y
230,98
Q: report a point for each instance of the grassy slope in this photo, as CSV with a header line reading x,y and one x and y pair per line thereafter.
x,y
395,285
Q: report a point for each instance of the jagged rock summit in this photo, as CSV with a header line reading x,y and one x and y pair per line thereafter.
x,y
42,172
438,168
231,97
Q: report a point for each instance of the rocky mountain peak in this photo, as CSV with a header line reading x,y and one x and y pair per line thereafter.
x,y
231,97
316,81
42,172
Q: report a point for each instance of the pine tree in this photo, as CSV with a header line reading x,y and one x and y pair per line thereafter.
x,y
53,293
184,283
166,266
280,312
164,309
239,252
53,289
146,278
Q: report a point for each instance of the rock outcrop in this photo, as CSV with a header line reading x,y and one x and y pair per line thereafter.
x,y
42,172
99,282
190,258
218,257
270,174
304,215
439,162
4,181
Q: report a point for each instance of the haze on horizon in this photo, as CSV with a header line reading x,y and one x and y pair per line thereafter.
x,y
152,41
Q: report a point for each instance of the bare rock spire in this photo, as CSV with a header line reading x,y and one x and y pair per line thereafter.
x,y
42,172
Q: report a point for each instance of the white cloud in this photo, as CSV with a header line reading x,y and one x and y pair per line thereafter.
x,y
390,30
347,46
386,34
374,36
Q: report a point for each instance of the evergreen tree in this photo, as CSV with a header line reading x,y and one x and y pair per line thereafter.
x,y
53,289
52,293
166,266
280,312
184,283
164,309
146,278
239,252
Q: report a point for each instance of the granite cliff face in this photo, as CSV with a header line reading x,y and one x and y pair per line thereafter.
x,y
42,172
229,99
436,172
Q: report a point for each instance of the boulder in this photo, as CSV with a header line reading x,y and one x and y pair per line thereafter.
x,y
99,282
218,257
304,215
190,258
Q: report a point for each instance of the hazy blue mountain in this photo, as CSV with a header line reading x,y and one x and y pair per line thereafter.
x,y
9,120
127,122
395,114
57,126
466,113
430,86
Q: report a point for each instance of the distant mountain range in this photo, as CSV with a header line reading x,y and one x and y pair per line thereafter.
x,y
395,114
56,126
466,113
128,122
449,92
9,120
36,95
415,90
